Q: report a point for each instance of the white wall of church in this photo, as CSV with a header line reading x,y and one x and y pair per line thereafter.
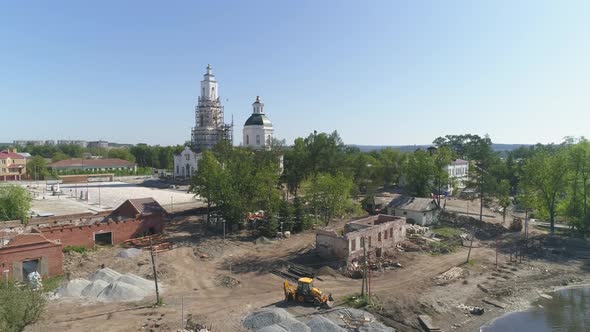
x,y
257,137
186,163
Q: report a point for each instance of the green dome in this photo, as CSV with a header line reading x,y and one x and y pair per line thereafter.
x,y
258,120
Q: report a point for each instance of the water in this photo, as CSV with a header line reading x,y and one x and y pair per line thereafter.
x,y
569,310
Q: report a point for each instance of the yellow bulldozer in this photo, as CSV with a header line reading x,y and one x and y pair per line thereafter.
x,y
306,293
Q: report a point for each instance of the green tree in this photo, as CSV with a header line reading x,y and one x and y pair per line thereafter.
x,y
419,172
389,166
37,168
15,203
545,181
328,195
442,158
19,306
57,156
206,182
120,153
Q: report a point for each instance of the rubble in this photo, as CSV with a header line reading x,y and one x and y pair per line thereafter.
x,y
451,274
227,281
416,229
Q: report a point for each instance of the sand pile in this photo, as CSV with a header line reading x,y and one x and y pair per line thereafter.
x,y
105,274
122,291
73,288
108,285
94,288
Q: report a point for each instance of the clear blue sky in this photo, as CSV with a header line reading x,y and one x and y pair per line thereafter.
x,y
380,72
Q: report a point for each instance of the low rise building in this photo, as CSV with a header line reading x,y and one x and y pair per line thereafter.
x,y
458,175
13,166
93,165
39,246
98,144
376,234
417,210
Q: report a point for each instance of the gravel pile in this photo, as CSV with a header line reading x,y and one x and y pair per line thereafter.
x,y
274,320
338,320
129,253
105,274
108,285
323,324
122,291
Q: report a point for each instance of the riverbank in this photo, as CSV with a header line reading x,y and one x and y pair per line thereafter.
x,y
567,309
511,286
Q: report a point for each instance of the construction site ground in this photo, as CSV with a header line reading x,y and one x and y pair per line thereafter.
x,y
218,282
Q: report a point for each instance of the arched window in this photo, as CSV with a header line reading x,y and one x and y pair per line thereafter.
x,y
213,91
203,92
247,140
257,139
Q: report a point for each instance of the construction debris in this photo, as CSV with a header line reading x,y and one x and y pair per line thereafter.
x,y
426,322
416,229
227,281
453,273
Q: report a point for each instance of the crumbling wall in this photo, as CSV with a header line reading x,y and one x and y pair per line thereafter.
x,y
378,237
50,258
83,235
330,245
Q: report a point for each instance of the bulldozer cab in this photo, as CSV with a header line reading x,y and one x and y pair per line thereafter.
x,y
304,286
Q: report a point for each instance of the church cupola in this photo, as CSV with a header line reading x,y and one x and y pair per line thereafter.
x,y
258,106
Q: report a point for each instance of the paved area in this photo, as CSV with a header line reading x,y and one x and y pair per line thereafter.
x,y
112,194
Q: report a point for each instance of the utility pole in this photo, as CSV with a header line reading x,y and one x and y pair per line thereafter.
x,y
153,254
223,248
365,285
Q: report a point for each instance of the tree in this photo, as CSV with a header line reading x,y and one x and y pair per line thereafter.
x,y
419,172
503,195
389,166
328,195
57,156
545,181
442,158
19,306
37,168
15,203
120,153
206,182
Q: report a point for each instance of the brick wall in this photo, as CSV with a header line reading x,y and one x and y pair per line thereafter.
x,y
83,235
382,236
50,256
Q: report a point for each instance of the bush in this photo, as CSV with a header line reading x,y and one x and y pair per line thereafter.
x,y
19,306
78,249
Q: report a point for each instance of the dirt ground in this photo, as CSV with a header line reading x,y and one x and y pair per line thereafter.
x,y
194,276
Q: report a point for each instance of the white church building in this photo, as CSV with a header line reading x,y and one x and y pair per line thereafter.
x,y
258,130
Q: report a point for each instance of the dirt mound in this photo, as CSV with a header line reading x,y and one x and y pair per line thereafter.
x,y
73,288
105,274
93,289
122,291
327,271
323,324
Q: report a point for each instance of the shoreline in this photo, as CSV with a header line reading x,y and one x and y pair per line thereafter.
x,y
531,305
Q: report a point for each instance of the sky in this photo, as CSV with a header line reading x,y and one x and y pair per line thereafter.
x,y
379,72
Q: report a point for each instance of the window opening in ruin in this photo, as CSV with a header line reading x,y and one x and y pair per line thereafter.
x,y
379,236
103,239
353,245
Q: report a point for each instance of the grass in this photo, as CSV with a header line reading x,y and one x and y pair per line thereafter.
x,y
78,249
358,301
51,284
447,232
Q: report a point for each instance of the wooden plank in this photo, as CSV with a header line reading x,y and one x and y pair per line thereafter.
x,y
495,303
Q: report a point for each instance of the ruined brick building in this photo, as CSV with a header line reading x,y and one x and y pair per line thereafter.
x,y
377,233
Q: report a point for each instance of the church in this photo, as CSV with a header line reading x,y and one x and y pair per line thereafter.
x,y
210,128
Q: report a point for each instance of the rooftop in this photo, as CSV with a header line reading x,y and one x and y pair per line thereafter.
x,y
412,203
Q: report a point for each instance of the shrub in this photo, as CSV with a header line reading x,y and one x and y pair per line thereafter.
x,y
19,306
